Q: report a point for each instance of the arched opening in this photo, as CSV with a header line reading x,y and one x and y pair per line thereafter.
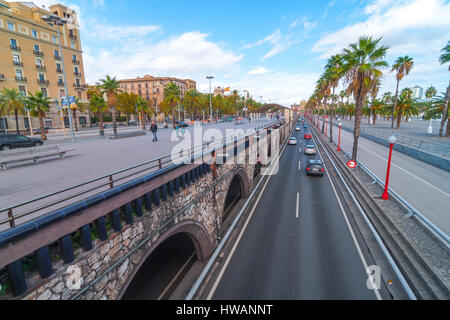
x,y
234,194
163,270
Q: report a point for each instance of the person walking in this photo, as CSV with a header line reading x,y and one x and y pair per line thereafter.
x,y
154,129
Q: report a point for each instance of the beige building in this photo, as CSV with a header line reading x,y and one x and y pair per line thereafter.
x,y
152,88
30,58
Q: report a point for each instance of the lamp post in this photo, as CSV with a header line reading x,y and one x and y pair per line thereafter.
x,y
339,139
55,20
210,97
245,101
385,195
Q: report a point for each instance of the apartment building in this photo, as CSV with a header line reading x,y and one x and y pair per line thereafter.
x,y
152,88
31,61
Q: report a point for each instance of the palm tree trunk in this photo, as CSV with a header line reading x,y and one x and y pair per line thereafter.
x,y
113,111
102,130
374,118
143,120
331,119
324,113
16,114
358,112
74,113
399,118
445,114
41,125
395,104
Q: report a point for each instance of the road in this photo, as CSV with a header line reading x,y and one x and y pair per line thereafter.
x,y
424,186
297,243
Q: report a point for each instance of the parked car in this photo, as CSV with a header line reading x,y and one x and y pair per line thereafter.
x,y
13,141
310,149
38,130
307,135
292,140
315,167
132,123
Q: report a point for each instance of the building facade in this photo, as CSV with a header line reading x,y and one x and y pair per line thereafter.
x,y
31,61
417,92
152,88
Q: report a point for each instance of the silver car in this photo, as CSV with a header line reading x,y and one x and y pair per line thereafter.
x,y
310,150
292,140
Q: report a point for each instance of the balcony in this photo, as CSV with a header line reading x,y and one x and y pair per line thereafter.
x,y
77,74
57,57
60,83
78,86
16,48
76,62
18,63
21,78
43,81
42,68
38,53
59,70
72,36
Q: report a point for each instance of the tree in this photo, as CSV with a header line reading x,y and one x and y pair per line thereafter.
x,y
126,103
405,106
193,102
111,87
98,105
171,99
443,59
362,65
402,67
333,71
376,107
39,104
436,107
142,108
12,101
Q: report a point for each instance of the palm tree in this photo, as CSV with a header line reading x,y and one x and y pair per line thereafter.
x,y
436,107
333,69
98,105
376,107
362,65
430,93
404,105
402,66
171,98
192,102
111,87
445,58
142,108
39,104
13,100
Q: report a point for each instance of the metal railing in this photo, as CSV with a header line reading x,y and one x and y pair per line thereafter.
x,y
18,213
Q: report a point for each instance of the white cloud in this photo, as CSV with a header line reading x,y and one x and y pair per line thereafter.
x,y
308,26
257,71
181,55
109,32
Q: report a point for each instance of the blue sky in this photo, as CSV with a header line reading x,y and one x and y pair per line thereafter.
x,y
274,49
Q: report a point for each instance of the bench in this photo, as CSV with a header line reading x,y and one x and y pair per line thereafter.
x,y
34,154
128,134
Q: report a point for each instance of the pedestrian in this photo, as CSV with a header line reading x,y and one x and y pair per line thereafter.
x,y
154,129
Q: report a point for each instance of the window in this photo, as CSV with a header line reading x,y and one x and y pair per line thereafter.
x,y
16,58
56,53
54,39
41,77
77,81
26,123
58,67
10,26
36,47
79,95
34,33
48,122
74,57
13,43
82,120
3,123
19,73
23,90
62,93
39,62
72,44
75,70
44,91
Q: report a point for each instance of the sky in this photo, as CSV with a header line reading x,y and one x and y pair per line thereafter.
x,y
274,49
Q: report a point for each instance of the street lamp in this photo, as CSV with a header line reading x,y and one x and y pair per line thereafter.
x,y
54,20
210,99
245,101
339,139
392,141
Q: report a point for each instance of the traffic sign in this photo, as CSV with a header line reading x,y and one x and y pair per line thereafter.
x,y
351,164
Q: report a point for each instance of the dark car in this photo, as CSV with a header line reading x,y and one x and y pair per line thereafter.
x,y
12,141
38,130
183,124
315,167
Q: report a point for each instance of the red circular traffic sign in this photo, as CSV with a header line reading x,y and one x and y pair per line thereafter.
x,y
351,164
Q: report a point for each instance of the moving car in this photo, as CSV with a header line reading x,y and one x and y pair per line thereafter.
x,y
292,140
315,167
13,141
310,149
297,128
307,135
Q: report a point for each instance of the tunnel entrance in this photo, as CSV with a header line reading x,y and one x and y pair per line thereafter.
x,y
234,194
163,270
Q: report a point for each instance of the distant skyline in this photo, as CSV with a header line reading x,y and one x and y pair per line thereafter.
x,y
274,49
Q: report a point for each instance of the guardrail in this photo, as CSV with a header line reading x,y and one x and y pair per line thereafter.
x,y
70,195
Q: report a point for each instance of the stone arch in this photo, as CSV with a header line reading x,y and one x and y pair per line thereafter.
x,y
196,232
241,176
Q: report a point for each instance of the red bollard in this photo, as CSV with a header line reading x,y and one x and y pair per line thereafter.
x,y
385,195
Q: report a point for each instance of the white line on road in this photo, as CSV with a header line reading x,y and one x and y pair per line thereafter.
x,y
297,206
299,165
413,175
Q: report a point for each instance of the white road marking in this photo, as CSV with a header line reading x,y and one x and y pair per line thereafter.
x,y
230,255
413,175
377,294
299,165
297,206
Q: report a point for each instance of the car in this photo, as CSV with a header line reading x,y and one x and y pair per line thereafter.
x,y
307,135
183,124
297,128
315,167
38,130
292,140
305,125
310,149
13,141
132,123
